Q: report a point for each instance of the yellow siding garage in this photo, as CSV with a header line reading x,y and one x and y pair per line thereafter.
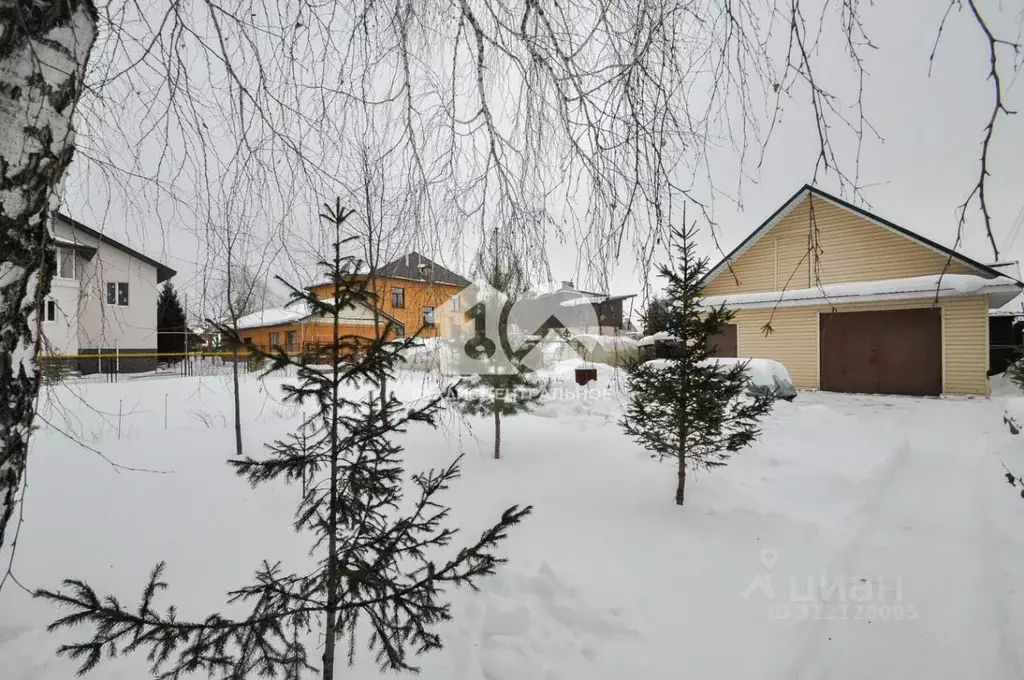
x,y
794,340
849,248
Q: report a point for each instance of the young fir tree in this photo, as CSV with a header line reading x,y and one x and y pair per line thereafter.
x,y
655,316
512,391
375,574
500,394
1015,372
171,326
688,407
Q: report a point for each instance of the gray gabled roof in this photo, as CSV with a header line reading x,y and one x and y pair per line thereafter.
x,y
412,265
163,272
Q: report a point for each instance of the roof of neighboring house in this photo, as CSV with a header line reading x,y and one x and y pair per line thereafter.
x,y
163,272
412,265
1014,307
616,298
278,316
594,299
275,316
575,294
808,190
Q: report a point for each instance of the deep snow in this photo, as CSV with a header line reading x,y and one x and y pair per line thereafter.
x,y
608,578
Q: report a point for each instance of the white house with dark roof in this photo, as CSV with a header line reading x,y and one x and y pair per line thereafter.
x,y
606,310
103,300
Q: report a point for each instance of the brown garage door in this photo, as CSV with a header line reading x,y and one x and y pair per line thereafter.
x,y
723,343
890,352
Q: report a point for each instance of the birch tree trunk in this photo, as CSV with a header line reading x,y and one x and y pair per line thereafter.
x,y
44,46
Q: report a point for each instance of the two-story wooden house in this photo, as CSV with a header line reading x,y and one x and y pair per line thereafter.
x,y
413,289
412,292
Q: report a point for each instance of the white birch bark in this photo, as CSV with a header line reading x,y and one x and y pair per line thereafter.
x,y
44,47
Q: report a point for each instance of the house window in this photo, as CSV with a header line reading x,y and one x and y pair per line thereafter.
x,y
398,330
66,263
456,304
117,294
275,340
398,298
428,317
50,311
291,340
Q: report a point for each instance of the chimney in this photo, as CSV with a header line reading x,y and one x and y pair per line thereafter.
x,y
407,259
566,285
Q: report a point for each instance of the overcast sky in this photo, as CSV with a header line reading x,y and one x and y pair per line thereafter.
x,y
916,176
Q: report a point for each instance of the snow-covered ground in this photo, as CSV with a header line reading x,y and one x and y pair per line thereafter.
x,y
859,538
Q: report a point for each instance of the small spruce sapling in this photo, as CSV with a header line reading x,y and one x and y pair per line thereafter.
x,y
687,407
172,331
498,395
655,316
1015,372
375,574
512,391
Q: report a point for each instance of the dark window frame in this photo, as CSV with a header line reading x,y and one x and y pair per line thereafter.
x,y
67,255
432,322
118,294
398,297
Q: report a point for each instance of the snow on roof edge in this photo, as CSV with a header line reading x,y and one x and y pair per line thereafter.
x,y
273,316
952,285
1015,307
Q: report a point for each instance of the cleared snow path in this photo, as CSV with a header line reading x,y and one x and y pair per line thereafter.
x,y
937,600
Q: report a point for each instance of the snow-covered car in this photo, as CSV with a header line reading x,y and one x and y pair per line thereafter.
x,y
764,375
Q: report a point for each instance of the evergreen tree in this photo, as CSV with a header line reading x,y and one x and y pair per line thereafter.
x,y
375,574
1015,372
511,391
171,325
688,407
655,316
497,395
